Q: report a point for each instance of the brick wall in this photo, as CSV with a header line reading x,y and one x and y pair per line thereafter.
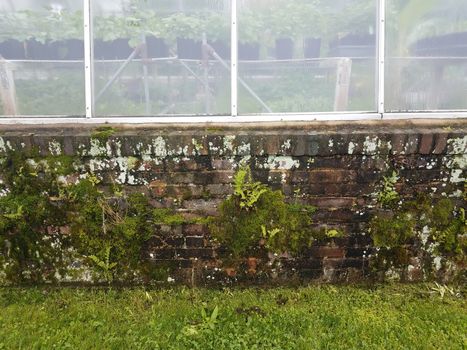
x,y
333,166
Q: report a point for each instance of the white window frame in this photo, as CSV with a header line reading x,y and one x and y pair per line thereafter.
x,y
90,118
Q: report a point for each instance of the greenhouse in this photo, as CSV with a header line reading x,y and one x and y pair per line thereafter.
x,y
261,59
233,174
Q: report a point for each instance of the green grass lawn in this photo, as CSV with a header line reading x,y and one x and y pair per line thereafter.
x,y
313,317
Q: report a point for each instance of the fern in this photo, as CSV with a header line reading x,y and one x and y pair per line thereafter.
x,y
105,265
388,194
246,190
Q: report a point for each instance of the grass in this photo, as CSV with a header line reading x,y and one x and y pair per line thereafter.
x,y
313,317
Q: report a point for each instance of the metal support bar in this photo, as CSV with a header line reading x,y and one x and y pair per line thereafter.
x,y
88,58
118,72
192,72
214,54
207,94
234,60
381,44
7,88
144,60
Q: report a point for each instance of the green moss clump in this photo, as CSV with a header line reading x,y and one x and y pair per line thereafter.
x,y
109,228
167,216
431,227
449,229
103,133
29,210
390,230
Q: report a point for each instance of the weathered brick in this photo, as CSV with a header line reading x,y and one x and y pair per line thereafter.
x,y
329,252
298,146
194,230
398,143
158,188
219,190
199,253
223,164
201,205
195,242
353,263
426,144
441,141
180,178
331,175
332,202
411,145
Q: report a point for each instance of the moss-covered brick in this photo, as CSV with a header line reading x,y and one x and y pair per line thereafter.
x,y
186,173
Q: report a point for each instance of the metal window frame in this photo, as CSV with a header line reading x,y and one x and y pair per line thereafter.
x,y
234,59
380,56
90,118
88,58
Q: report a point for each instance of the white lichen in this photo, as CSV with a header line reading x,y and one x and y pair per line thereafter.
x,y
55,148
281,163
5,146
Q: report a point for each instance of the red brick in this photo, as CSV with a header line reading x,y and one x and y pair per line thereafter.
x,y
441,142
426,144
158,188
331,176
398,143
329,252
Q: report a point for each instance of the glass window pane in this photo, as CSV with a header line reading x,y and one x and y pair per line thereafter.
x,y
426,65
307,55
41,69
162,57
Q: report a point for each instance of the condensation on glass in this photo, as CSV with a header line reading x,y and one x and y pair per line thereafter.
x,y
307,56
42,51
161,57
426,49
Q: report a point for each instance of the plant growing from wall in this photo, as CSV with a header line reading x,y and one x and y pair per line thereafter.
x,y
110,229
399,227
30,209
256,218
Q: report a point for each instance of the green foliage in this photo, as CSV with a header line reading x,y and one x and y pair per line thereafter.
x,y
424,222
246,190
255,216
167,216
103,133
28,211
209,321
105,265
388,196
311,317
101,221
449,229
393,229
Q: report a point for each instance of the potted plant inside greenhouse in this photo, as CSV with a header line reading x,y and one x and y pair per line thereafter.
x,y
283,20
156,45
111,38
13,35
218,34
313,29
355,29
148,24
67,39
444,35
186,31
249,32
